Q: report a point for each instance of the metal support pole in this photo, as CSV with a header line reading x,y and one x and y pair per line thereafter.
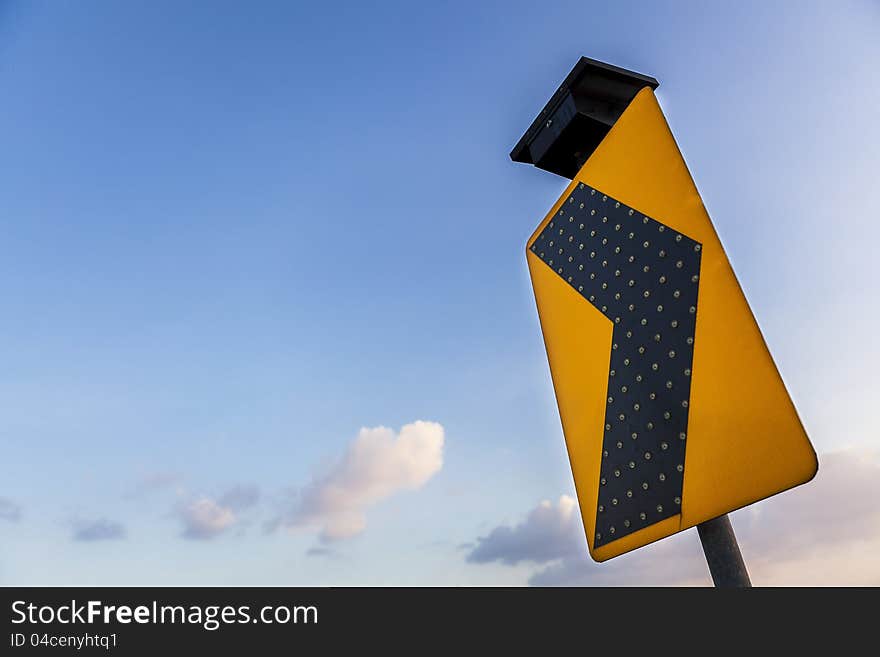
x,y
722,554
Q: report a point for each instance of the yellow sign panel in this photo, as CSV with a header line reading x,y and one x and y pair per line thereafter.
x,y
672,408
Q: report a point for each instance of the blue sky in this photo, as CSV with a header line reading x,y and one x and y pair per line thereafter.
x,y
234,234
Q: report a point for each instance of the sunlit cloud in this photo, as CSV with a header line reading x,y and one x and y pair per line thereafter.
x,y
375,466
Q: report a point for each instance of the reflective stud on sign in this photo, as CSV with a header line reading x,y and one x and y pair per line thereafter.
x,y
639,362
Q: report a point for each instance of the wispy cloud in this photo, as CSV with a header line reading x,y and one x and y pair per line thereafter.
x,y
376,465
98,530
204,519
827,532
153,482
240,497
9,510
322,551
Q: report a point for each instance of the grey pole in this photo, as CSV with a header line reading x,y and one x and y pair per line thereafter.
x,y
722,554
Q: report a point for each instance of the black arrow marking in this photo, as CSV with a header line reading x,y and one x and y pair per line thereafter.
x,y
644,277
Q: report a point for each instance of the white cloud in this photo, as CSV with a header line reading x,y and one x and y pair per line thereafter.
x,y
204,518
824,533
376,465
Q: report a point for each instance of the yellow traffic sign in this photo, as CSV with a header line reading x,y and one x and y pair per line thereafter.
x,y
672,408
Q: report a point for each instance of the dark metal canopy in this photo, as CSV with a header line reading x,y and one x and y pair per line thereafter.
x,y
578,116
